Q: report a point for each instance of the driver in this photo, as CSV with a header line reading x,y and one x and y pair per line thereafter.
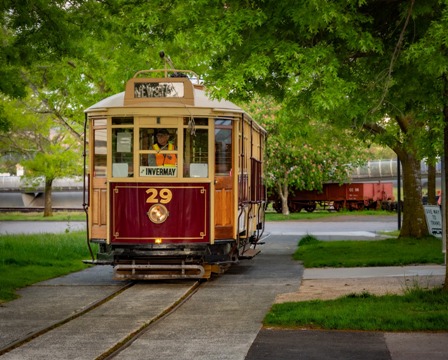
x,y
163,137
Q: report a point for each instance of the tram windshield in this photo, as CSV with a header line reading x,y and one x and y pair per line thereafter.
x,y
143,148
158,152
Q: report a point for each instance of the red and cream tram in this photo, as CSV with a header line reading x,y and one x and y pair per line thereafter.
x,y
175,185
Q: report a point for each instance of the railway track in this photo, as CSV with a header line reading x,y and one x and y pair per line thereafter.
x,y
105,327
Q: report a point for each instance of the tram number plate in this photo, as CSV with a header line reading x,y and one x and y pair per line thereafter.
x,y
158,171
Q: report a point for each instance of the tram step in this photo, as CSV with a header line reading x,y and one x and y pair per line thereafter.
x,y
249,253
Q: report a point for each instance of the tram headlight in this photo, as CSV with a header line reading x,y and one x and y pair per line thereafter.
x,y
158,213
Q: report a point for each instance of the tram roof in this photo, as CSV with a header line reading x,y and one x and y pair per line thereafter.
x,y
201,100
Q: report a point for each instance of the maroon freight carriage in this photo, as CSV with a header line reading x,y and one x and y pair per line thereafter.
x,y
357,196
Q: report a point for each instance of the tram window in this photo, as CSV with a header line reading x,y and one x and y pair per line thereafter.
x,y
197,121
148,138
196,153
100,153
122,152
223,151
158,149
100,122
223,122
122,121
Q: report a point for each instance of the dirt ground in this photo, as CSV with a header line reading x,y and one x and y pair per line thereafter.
x,y
326,289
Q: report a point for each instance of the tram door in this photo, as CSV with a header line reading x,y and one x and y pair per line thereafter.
x,y
224,192
98,199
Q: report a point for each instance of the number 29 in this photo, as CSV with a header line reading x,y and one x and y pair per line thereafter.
x,y
163,196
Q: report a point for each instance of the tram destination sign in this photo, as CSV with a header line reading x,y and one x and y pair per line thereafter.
x,y
158,90
158,171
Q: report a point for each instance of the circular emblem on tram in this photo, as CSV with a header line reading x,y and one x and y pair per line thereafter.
x,y
158,213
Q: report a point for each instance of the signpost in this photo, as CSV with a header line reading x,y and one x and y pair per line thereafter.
x,y
433,215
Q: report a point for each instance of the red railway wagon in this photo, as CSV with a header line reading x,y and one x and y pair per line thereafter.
x,y
175,186
356,196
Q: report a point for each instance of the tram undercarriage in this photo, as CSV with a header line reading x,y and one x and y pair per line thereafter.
x,y
170,261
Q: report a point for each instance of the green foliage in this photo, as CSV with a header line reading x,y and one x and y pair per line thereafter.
x,y
43,147
307,240
344,64
299,153
33,31
27,259
371,70
389,252
5,123
420,310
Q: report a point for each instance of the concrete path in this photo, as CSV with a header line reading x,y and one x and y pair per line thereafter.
x,y
224,320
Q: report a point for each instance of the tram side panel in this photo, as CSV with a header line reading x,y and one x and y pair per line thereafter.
x,y
257,188
251,191
224,155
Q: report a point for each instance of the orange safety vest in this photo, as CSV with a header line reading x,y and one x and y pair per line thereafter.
x,y
165,159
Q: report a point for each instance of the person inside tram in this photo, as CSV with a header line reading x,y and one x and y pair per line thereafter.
x,y
162,145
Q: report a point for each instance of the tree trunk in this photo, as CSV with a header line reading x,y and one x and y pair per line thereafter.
x,y
432,184
414,222
283,192
48,209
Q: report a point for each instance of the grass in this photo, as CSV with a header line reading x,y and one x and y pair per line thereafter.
x,y
273,216
39,216
416,310
389,252
27,259
270,216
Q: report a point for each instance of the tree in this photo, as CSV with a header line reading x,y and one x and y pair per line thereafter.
x,y
339,62
58,61
45,150
34,31
300,155
429,55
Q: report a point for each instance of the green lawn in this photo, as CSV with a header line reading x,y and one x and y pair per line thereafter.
x,y
39,216
417,310
389,252
27,259
303,215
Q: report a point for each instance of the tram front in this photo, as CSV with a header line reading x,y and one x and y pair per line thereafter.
x,y
155,154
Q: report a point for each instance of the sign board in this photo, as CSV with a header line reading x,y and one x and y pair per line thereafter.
x,y
158,171
433,215
124,141
158,89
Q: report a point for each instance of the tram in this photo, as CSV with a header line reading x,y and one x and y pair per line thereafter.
x,y
175,184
